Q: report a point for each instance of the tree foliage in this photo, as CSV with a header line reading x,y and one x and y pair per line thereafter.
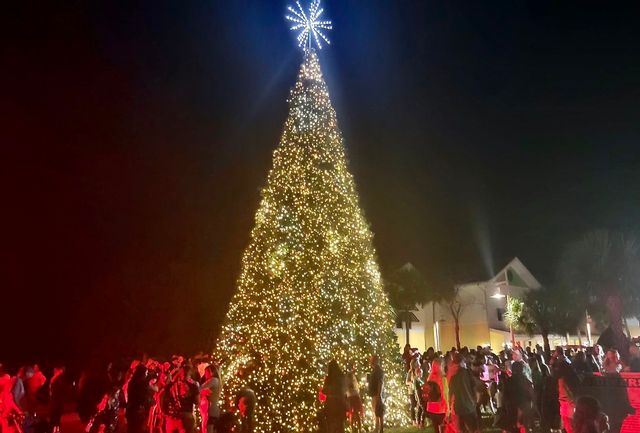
x,y
603,269
545,311
407,288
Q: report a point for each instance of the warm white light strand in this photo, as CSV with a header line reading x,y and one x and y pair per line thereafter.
x,y
310,288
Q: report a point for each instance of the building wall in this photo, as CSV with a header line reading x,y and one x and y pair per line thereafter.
x,y
417,336
479,320
471,335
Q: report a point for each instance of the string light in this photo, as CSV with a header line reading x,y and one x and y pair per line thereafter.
x,y
310,288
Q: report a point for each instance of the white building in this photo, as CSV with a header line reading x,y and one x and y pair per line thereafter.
x,y
481,323
481,316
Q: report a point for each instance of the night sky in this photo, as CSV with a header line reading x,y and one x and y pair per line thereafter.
x,y
136,136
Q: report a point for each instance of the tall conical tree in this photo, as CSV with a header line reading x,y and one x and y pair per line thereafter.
x,y
310,288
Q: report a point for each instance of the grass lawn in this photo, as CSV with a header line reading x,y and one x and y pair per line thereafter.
x,y
409,430
428,430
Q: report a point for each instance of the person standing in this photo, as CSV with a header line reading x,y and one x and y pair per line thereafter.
x,y
549,404
32,387
612,362
407,357
210,392
418,382
356,410
592,363
336,398
57,396
517,355
18,390
568,382
246,402
181,396
462,396
634,358
589,417
519,397
434,395
106,419
411,394
376,391
8,409
139,400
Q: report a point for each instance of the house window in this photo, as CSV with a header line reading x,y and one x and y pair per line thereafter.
x,y
500,314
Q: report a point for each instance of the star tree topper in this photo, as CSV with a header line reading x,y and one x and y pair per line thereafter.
x,y
309,26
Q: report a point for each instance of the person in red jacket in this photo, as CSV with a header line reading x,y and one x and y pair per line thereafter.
x,y
434,395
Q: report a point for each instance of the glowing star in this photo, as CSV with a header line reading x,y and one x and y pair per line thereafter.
x,y
309,26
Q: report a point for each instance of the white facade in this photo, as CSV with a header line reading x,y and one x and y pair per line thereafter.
x,y
481,320
481,323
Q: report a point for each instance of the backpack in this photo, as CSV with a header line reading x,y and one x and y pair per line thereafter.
x,y
431,391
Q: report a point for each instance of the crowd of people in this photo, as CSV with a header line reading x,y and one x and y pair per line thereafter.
x,y
177,396
460,391
519,390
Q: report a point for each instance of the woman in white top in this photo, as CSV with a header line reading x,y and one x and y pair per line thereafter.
x,y
356,409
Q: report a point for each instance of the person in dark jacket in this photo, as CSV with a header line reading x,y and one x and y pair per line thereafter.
x,y
519,399
548,405
376,391
335,390
140,399
462,396
246,402
107,415
181,395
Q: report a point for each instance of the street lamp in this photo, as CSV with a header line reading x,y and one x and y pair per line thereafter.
x,y
499,295
589,328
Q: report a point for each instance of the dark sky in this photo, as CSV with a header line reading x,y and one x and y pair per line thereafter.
x,y
136,136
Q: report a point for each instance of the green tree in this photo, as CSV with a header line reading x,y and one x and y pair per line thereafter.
x,y
545,311
603,268
310,289
407,289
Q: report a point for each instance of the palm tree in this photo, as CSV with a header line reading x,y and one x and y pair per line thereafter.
x,y
407,289
545,311
604,269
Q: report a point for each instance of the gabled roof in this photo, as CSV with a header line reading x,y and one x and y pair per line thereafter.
x,y
516,266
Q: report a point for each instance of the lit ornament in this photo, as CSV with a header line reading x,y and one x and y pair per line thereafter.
x,y
308,24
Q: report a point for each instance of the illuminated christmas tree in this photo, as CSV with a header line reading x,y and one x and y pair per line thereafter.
x,y
310,288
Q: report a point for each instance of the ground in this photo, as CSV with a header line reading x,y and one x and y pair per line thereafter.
x,y
409,430
71,424
428,430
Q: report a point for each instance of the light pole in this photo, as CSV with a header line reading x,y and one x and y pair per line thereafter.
x,y
436,327
506,296
588,328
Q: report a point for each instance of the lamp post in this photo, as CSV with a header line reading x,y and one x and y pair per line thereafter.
x,y
436,327
506,296
588,328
